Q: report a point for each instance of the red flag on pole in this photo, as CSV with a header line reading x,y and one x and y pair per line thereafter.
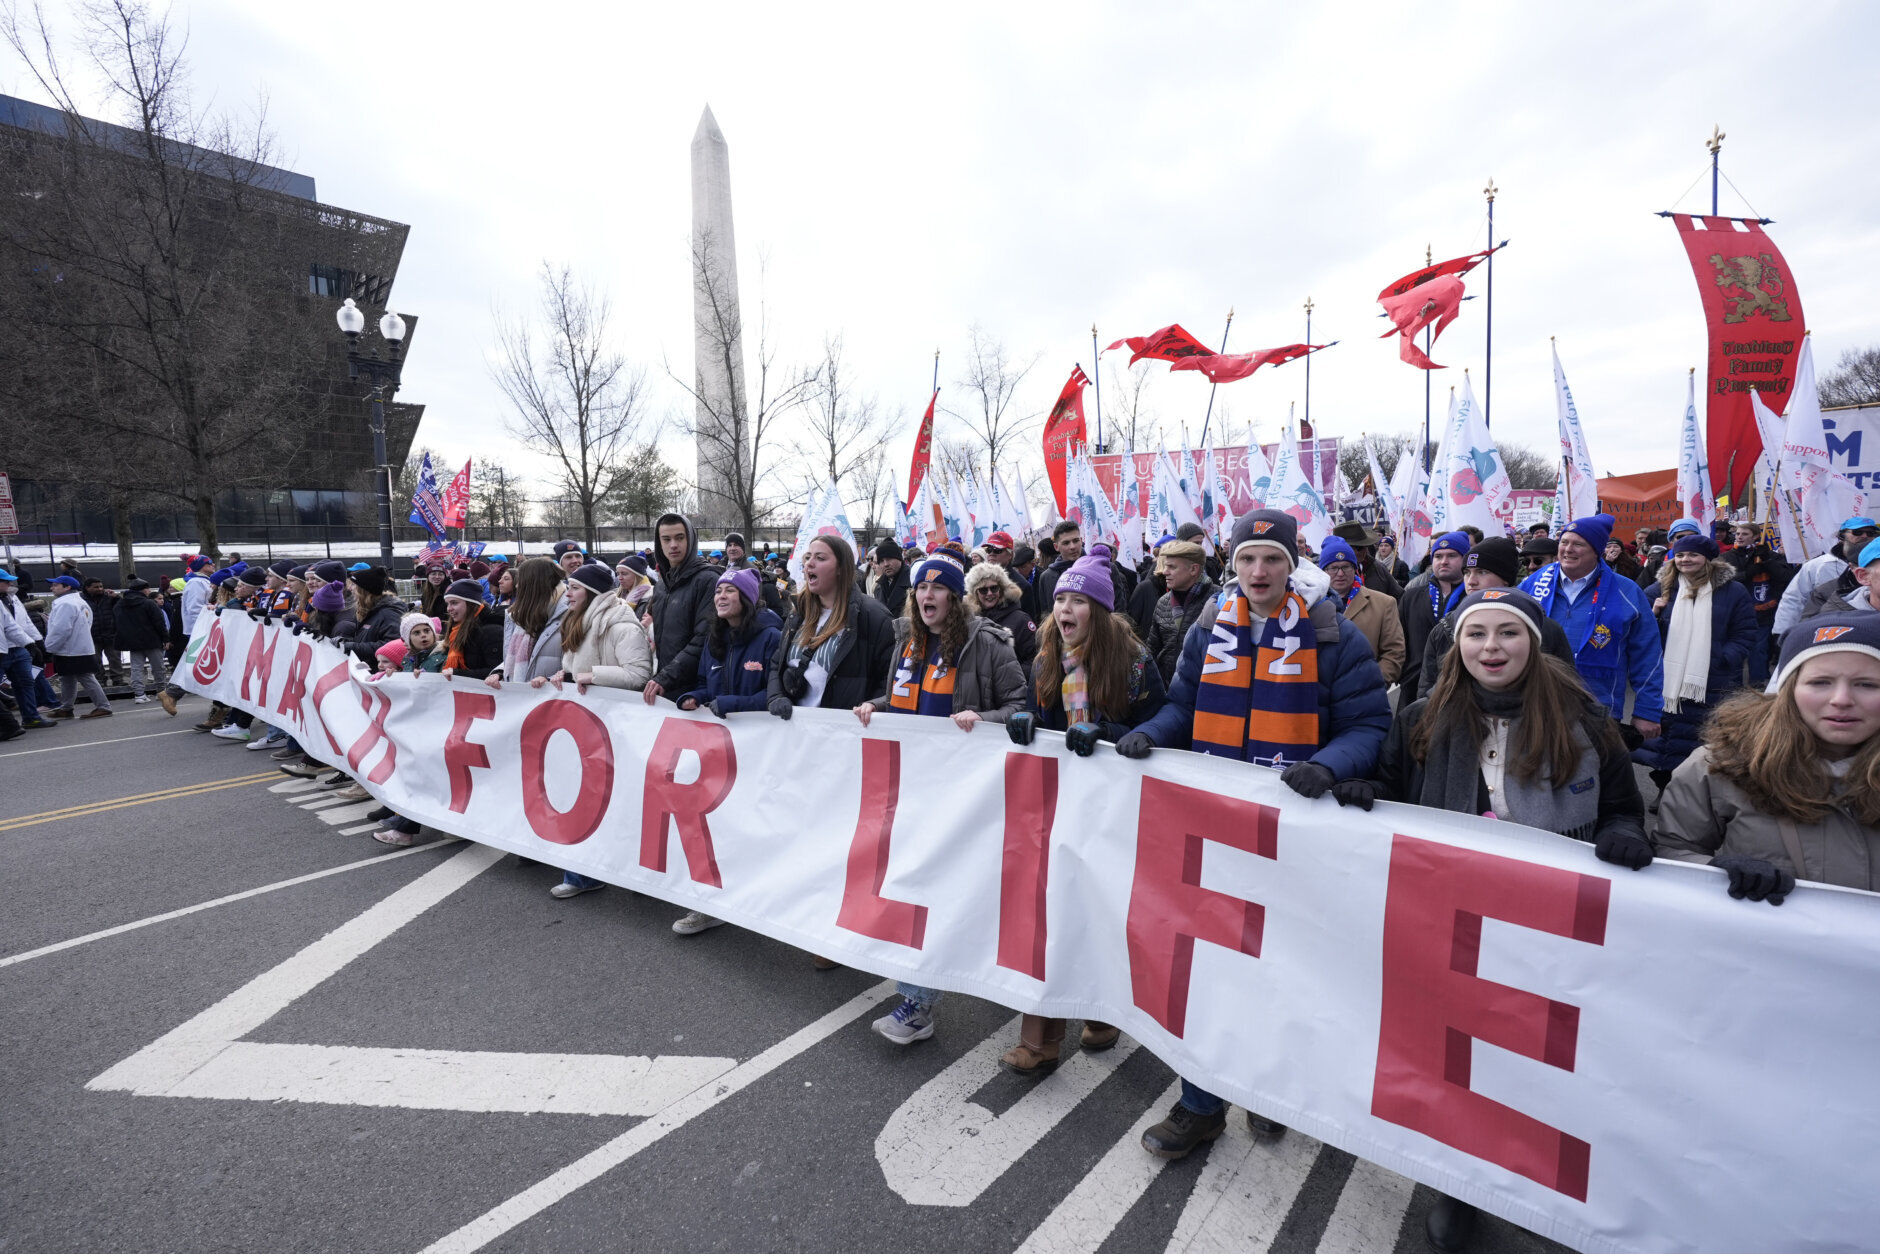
x,y
923,450
457,498
1171,343
1417,278
1064,430
1435,305
1756,330
1227,367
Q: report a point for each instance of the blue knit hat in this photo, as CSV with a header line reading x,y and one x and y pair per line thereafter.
x,y
942,566
1336,550
1595,531
1454,541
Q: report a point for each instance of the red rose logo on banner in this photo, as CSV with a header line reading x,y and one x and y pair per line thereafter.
x,y
209,657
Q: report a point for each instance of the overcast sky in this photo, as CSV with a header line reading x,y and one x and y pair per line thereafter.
x,y
905,171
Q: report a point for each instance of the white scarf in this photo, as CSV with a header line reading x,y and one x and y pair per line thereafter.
x,y
1687,645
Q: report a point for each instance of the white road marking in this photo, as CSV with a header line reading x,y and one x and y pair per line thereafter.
x,y
1245,1191
93,744
436,1079
360,830
294,784
940,1149
1369,1213
538,1197
1085,1218
168,1061
122,928
316,803
349,813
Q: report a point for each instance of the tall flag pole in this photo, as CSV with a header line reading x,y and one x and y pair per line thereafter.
x,y
1429,342
1096,371
1308,364
1488,351
1211,387
1716,146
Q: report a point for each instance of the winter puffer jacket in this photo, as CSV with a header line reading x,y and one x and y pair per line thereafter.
x,y
1419,622
987,678
141,623
862,661
544,646
379,627
1354,712
614,648
103,618
482,647
1703,815
1169,625
739,680
1733,633
682,612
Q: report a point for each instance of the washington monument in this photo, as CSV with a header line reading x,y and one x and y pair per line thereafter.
x,y
725,484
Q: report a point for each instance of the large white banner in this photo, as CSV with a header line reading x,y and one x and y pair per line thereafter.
x,y
1618,1060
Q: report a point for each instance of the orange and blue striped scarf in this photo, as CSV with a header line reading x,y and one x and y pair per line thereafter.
x,y
922,687
1258,701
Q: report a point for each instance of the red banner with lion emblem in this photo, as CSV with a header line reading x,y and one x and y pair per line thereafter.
x,y
1756,329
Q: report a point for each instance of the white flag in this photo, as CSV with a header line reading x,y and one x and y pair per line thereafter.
x,y
1381,490
1259,472
1823,496
1295,494
824,515
1695,498
1582,481
1478,484
1436,486
1407,492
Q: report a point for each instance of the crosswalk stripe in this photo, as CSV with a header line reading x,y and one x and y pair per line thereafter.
x,y
1084,1220
1369,1213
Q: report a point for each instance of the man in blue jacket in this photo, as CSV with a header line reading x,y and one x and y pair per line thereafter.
x,y
1273,675
1609,623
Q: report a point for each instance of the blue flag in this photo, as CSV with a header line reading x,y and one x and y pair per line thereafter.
x,y
426,509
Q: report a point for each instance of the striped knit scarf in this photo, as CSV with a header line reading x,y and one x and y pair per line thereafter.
x,y
1259,700
1074,691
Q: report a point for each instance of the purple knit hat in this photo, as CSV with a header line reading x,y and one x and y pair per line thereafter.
x,y
1089,576
330,597
745,581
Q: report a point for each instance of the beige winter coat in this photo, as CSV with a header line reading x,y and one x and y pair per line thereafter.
x,y
1703,815
615,647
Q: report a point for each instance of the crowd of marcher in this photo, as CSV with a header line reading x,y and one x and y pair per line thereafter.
x,y
1520,683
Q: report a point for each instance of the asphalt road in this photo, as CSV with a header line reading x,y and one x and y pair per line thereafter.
x,y
434,1054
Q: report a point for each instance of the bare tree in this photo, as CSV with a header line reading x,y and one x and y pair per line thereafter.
x,y
497,500
1527,467
1855,379
840,429
871,484
576,399
1128,418
990,381
152,328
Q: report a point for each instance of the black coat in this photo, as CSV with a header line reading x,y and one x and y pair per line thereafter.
x,y
103,618
1170,623
892,592
682,614
141,623
1142,601
1012,616
1048,581
483,650
381,627
862,662
1419,621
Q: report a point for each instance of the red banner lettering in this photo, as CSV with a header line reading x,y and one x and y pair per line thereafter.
x,y
1435,1006
1169,910
374,734
260,662
864,909
461,754
334,678
686,805
578,821
295,690
1030,806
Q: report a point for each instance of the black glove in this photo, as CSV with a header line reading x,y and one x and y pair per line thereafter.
x,y
1081,739
1308,779
781,707
717,706
1354,792
1135,745
1021,727
1755,879
1625,849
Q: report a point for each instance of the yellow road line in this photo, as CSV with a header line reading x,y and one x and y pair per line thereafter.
x,y
120,803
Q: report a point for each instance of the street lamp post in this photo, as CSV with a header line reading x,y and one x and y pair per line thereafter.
x,y
383,374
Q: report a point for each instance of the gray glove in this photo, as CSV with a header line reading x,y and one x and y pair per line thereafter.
x,y
717,706
782,707
1021,727
1135,745
1081,739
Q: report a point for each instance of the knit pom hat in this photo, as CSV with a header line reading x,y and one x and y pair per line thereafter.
x,y
465,590
1264,527
943,566
745,581
595,577
412,621
201,560
393,651
1090,577
1511,599
1498,556
1826,633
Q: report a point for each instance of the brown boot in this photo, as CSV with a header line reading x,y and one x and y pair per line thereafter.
x,y
1098,1037
168,703
1040,1041
823,964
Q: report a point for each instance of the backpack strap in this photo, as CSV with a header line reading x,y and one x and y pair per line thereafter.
x,y
1792,845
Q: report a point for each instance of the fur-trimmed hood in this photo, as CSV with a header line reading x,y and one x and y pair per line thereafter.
x,y
985,573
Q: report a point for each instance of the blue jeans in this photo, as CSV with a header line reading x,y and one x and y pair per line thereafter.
x,y
918,995
1201,1101
19,671
579,881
